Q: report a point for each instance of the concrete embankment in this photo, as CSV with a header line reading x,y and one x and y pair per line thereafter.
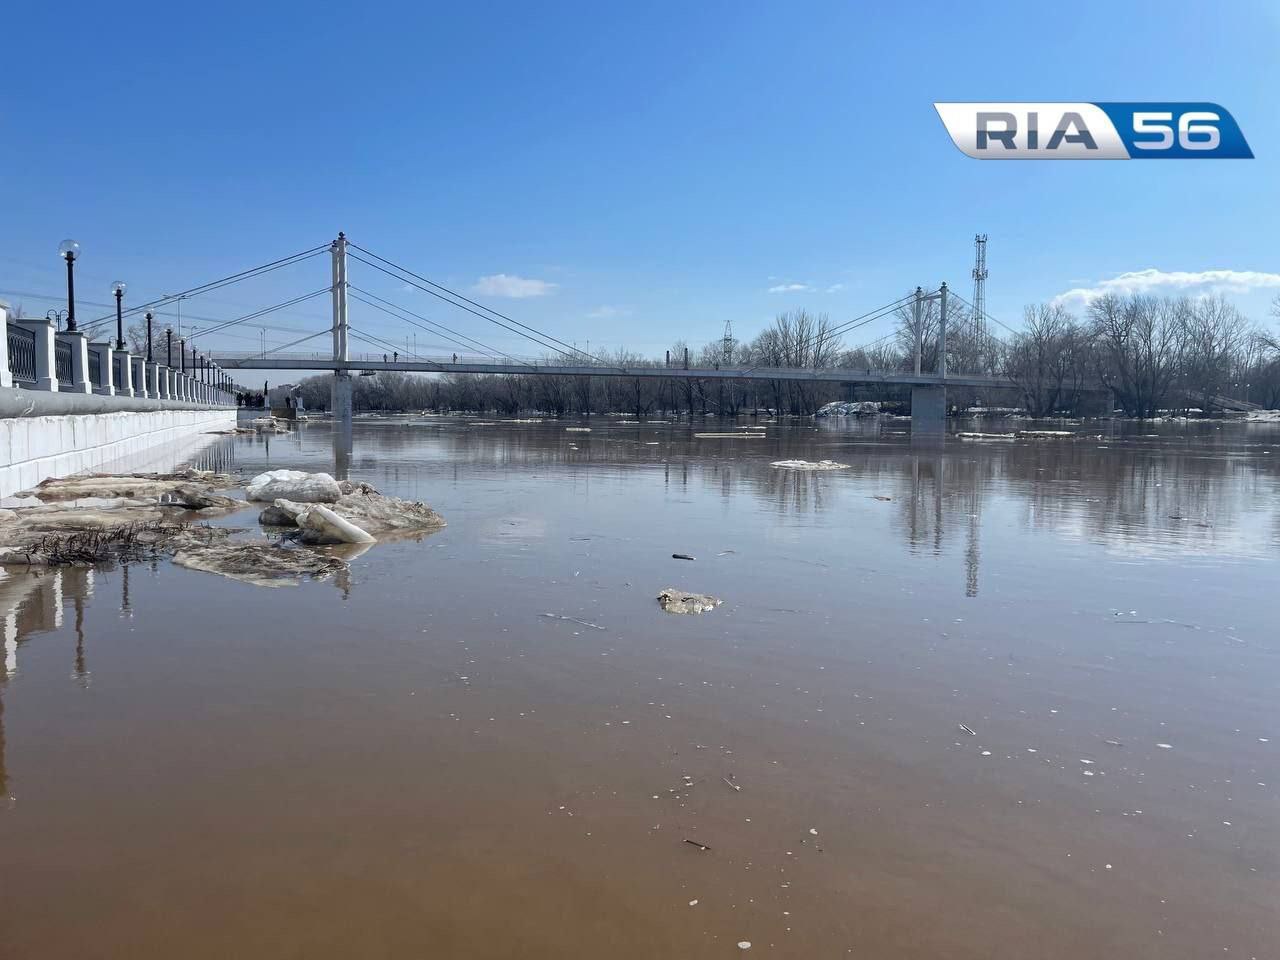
x,y
50,434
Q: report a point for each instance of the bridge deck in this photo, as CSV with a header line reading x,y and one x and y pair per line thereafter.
x,y
277,362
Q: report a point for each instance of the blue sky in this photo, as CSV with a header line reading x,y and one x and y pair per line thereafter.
x,y
637,174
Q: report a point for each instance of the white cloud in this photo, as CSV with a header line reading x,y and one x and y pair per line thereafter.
x,y
1152,280
608,312
509,285
790,288
835,288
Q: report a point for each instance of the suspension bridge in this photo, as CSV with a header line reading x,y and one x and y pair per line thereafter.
x,y
352,350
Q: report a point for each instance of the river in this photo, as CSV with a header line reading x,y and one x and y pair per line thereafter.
x,y
973,700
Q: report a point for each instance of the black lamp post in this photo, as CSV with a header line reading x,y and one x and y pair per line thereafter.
x,y
118,289
182,355
69,250
149,316
168,348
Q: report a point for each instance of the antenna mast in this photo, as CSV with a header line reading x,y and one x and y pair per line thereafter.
x,y
979,286
726,353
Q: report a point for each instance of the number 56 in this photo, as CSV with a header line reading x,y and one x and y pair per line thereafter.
x,y
1196,130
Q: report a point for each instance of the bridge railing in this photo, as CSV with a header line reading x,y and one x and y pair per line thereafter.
x,y
579,365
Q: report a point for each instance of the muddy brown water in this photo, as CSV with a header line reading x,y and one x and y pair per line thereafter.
x,y
414,760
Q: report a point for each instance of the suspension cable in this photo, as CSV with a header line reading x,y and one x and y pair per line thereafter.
x,y
382,342
213,285
485,348
569,351
843,328
257,313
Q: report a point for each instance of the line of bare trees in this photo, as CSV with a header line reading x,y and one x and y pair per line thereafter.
x,y
1149,353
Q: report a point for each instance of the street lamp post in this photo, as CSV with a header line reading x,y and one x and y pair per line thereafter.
x,y
118,289
69,250
149,316
168,348
182,355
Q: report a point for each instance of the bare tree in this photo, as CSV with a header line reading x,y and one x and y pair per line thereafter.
x,y
1216,333
1044,359
1140,343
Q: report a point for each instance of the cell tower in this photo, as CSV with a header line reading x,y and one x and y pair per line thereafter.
x,y
979,285
726,352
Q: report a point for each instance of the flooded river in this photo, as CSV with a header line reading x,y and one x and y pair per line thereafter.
x,y
990,699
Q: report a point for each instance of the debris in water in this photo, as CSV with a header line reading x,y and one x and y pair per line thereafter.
x,y
268,425
295,485
969,730
42,544
280,514
813,831
733,785
364,507
882,498
1113,743
682,556
319,524
729,436
809,465
701,846
1165,746
693,903
577,429
130,485
744,944
581,623
264,565
683,601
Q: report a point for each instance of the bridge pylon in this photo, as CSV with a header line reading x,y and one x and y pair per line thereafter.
x,y
340,391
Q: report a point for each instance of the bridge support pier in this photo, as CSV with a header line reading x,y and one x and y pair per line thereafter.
x,y
928,409
340,401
